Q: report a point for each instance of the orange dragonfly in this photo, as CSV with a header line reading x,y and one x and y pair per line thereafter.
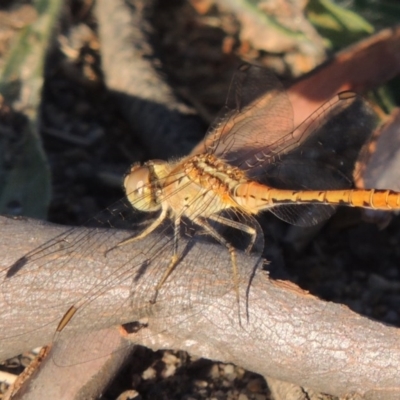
x,y
251,160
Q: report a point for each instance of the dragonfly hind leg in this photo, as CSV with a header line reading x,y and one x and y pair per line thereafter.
x,y
174,259
239,226
213,233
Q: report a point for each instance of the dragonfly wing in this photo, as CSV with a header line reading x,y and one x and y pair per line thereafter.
x,y
255,132
257,113
321,153
296,174
84,270
303,214
331,141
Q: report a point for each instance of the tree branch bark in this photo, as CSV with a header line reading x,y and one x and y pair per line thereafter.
x,y
287,334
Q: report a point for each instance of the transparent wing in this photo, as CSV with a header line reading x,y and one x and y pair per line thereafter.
x,y
324,158
321,153
255,133
257,113
187,291
303,214
110,293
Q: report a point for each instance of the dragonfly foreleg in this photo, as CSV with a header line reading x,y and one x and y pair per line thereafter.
x,y
155,224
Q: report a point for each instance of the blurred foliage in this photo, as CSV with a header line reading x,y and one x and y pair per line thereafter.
x,y
380,13
339,26
343,22
24,173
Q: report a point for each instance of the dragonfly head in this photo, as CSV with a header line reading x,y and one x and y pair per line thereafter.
x,y
142,186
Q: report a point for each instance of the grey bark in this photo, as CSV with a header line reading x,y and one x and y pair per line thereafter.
x,y
285,333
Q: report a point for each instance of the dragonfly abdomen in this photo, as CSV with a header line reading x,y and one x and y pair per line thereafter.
x,y
255,197
366,198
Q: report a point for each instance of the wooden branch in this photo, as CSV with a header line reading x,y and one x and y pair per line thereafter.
x,y
363,66
166,126
44,379
382,169
288,335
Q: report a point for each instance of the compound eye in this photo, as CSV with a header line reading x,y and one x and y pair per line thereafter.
x,y
138,189
137,180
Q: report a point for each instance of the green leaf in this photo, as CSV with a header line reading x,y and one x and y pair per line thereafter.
x,y
24,172
339,26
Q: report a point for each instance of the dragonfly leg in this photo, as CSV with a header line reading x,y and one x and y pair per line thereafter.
x,y
174,259
155,224
239,226
212,232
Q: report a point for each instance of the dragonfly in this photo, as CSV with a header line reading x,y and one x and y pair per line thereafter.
x,y
252,159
